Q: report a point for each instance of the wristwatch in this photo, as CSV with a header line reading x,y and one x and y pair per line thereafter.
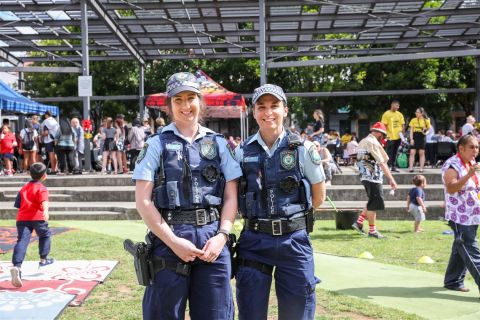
x,y
224,232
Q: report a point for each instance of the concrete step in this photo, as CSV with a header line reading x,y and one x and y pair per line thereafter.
x,y
357,192
88,215
433,176
78,194
393,210
71,180
71,210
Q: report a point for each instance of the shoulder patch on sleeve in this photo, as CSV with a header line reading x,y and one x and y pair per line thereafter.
x,y
314,155
142,153
232,152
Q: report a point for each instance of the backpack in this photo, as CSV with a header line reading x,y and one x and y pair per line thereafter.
x,y
402,160
28,142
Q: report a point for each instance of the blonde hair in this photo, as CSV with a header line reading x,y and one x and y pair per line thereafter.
x,y
319,113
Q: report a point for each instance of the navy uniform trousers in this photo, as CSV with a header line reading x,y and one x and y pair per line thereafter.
x,y
465,255
207,288
295,282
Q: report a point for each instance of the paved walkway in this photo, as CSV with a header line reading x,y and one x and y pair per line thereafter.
x,y
396,287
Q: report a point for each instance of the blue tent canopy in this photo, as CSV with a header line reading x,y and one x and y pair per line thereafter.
x,y
15,102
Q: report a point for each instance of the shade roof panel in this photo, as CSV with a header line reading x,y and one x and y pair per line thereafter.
x,y
215,28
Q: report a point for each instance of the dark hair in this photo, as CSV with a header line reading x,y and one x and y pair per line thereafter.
x,y
48,113
418,180
65,127
28,124
424,113
37,170
136,122
395,101
464,140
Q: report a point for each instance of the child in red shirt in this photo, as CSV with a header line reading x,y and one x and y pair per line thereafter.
x,y
7,143
32,204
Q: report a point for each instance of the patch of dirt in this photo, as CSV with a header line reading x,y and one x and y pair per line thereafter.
x,y
124,289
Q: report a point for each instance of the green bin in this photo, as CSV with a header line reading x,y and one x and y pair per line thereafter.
x,y
345,218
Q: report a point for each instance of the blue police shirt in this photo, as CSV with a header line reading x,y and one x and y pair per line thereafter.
x,y
313,172
149,162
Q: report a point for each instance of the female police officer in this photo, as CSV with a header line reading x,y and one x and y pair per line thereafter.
x,y
280,173
193,177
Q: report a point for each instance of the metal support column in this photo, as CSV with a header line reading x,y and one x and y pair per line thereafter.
x,y
21,88
263,54
85,72
141,92
477,88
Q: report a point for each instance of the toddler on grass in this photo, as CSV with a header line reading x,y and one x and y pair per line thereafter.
x,y
32,204
416,201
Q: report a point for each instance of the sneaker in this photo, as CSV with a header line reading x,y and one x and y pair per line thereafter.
x,y
358,227
376,234
395,170
16,277
46,263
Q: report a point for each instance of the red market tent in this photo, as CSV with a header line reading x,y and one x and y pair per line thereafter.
x,y
220,103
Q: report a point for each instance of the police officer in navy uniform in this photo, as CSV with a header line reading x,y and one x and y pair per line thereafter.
x,y
186,193
282,179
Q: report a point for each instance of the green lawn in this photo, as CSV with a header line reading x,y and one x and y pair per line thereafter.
x,y
120,297
402,247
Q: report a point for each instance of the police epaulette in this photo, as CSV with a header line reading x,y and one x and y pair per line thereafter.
x,y
294,141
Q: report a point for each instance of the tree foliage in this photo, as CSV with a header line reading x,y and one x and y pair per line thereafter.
x,y
242,75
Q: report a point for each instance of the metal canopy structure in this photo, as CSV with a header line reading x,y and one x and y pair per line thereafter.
x,y
168,29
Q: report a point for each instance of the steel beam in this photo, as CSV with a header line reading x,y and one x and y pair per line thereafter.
x,y
141,91
42,69
115,28
8,57
262,42
85,72
93,98
477,87
385,58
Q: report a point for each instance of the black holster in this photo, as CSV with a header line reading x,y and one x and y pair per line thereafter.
x,y
310,220
232,248
141,261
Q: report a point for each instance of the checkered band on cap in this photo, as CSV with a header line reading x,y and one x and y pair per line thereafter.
x,y
182,81
269,89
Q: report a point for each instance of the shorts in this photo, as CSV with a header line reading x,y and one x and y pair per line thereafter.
x,y
9,156
49,147
417,212
418,141
375,195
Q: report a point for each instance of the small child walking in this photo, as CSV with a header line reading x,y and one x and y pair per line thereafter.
x,y
32,204
416,201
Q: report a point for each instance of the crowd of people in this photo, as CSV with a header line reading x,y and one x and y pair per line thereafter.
x,y
60,144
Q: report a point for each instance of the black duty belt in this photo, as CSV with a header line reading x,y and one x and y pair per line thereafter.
x,y
180,268
276,227
198,217
262,267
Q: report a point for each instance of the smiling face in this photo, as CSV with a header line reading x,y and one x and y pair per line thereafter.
x,y
269,112
185,108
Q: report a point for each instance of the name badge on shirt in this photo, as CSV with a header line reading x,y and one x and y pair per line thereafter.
x,y
250,159
174,146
